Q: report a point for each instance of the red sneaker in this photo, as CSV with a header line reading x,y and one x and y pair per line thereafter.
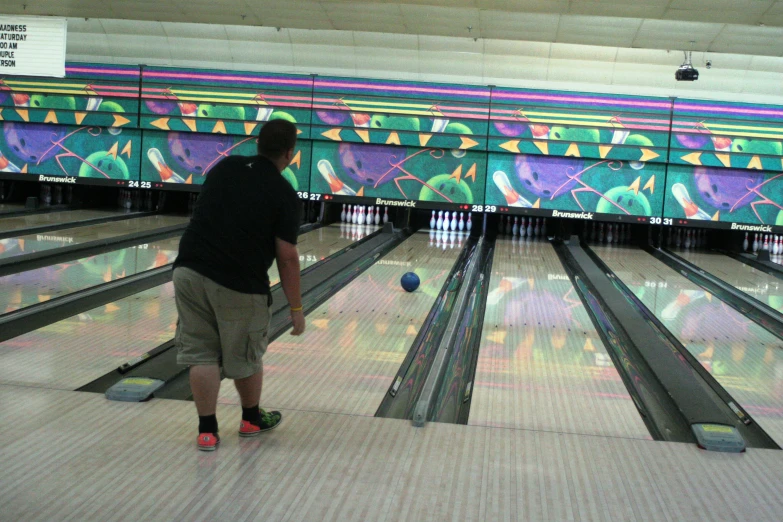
x,y
208,441
269,421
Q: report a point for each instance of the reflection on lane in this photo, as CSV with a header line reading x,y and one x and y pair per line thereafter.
x,y
743,357
541,364
356,341
755,283
42,284
16,246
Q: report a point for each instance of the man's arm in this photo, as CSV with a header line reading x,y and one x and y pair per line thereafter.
x,y
287,258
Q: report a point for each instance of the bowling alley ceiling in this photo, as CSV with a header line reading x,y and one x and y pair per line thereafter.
x,y
749,27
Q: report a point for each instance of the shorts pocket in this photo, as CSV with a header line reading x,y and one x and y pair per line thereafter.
x,y
256,346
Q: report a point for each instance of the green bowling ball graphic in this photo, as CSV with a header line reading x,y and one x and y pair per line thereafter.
x,y
102,164
395,123
110,106
282,115
221,112
639,140
457,128
45,101
574,135
772,148
290,177
456,191
636,204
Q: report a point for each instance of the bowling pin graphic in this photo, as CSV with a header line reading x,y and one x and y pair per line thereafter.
x,y
361,120
188,109
377,216
461,224
20,100
433,221
513,199
7,165
515,228
446,221
619,136
166,173
335,185
439,222
469,224
745,243
439,124
454,221
342,214
692,211
93,103
264,113
385,215
721,143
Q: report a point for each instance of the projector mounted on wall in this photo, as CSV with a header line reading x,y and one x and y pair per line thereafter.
x,y
686,72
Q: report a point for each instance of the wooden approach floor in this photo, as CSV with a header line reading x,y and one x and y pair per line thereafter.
x,y
76,456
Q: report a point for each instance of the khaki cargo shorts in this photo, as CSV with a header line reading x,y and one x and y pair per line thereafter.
x,y
219,326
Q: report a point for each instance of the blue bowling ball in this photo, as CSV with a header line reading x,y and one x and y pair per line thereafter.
x,y
410,281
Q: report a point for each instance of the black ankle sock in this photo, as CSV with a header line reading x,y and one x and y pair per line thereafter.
x,y
251,415
207,424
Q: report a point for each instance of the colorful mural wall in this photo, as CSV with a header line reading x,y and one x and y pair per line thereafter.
x,y
531,151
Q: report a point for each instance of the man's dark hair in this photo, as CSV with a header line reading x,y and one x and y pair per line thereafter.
x,y
275,138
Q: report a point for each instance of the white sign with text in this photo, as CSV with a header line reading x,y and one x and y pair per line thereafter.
x,y
32,45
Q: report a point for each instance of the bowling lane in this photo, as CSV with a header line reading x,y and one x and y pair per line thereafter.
x,y
27,244
35,286
743,357
10,207
356,341
541,364
759,285
72,352
12,223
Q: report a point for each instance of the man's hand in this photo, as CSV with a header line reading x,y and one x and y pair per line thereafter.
x,y
298,320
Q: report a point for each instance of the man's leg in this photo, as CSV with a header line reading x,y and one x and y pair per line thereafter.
x,y
249,389
205,385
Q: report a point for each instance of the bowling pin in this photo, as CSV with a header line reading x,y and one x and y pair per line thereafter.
x,y
600,232
264,113
515,228
692,210
433,221
439,223
7,166
513,199
461,224
454,221
335,184
609,235
93,103
166,173
537,229
385,215
362,215
755,242
469,224
688,238
355,216
369,216
349,215
776,245
377,216
543,227
745,243
342,214
530,227
446,223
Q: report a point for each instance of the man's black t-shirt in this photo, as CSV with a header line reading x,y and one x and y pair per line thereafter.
x,y
245,203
